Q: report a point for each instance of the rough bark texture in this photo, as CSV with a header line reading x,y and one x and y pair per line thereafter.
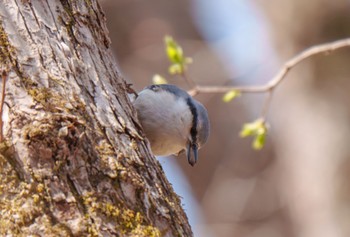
x,y
74,162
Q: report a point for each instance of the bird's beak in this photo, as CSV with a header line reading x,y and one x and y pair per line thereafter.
x,y
192,148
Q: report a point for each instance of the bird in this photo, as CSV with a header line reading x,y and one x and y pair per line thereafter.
x,y
172,120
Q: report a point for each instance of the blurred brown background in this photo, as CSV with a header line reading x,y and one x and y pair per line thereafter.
x,y
298,184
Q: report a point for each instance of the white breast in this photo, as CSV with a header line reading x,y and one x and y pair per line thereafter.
x,y
166,121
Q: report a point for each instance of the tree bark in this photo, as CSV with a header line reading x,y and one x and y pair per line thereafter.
x,y
74,161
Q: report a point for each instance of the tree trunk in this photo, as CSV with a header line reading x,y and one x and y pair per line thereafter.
x,y
74,161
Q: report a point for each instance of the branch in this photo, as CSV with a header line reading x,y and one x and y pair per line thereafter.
x,y
278,78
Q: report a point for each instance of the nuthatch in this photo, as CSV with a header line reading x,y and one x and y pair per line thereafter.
x,y
172,120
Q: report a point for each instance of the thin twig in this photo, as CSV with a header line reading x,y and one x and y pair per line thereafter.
x,y
266,105
278,78
4,79
317,49
188,80
223,89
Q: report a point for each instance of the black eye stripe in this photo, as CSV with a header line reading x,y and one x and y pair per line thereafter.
x,y
194,120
